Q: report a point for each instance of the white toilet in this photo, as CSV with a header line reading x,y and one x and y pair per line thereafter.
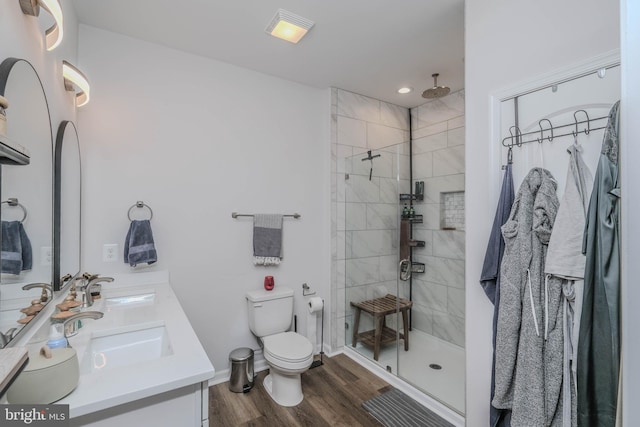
x,y
288,354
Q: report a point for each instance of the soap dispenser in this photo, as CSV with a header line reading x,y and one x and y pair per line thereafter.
x,y
56,336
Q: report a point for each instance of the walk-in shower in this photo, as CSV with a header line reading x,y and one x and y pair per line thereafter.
x,y
399,238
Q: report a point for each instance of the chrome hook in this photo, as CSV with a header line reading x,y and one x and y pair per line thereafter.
x,y
549,138
517,136
575,118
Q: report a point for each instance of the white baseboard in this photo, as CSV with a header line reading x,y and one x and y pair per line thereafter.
x,y
417,395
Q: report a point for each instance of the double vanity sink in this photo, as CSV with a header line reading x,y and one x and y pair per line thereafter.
x,y
142,351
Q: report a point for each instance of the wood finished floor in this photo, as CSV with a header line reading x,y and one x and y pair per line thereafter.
x,y
333,394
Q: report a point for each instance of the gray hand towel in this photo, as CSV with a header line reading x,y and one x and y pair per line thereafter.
x,y
267,239
138,245
27,252
16,248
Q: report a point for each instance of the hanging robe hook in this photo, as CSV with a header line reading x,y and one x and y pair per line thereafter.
x,y
542,129
517,136
575,118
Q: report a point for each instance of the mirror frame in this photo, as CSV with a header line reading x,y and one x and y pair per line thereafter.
x,y
57,203
5,71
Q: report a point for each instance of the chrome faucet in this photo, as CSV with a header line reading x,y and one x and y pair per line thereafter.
x,y
6,337
45,287
92,282
71,324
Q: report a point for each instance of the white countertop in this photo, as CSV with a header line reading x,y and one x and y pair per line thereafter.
x,y
188,364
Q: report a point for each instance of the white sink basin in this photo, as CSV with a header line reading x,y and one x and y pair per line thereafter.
x,y
131,301
114,349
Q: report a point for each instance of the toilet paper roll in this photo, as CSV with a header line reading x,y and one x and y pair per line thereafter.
x,y
315,305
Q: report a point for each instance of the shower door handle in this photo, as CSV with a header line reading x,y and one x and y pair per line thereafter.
x,y
405,275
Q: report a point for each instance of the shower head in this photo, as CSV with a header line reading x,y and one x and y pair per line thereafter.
x,y
436,91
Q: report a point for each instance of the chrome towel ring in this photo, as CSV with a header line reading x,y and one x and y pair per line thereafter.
x,y
12,201
140,204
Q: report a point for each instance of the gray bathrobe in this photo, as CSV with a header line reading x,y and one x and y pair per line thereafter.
x,y
529,340
566,262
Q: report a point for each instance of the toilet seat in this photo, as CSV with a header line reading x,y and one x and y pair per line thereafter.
x,y
288,350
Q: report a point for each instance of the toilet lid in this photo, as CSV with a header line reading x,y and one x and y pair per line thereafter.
x,y
288,346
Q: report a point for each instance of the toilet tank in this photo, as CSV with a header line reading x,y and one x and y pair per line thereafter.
x,y
270,312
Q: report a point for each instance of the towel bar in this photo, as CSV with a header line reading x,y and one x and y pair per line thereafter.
x,y
294,215
140,204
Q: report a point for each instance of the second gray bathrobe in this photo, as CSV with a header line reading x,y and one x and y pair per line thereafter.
x,y
529,344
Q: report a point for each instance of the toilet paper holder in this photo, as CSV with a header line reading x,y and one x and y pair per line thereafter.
x,y
306,290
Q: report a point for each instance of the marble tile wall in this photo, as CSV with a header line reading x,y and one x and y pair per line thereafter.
x,y
452,210
438,150
365,209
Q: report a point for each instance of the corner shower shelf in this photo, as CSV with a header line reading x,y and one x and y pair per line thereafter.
x,y
416,267
417,219
404,197
416,243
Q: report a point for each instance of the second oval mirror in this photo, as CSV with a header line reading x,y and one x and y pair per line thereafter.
x,y
67,213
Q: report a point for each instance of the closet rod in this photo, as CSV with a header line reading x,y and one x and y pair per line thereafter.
x,y
515,140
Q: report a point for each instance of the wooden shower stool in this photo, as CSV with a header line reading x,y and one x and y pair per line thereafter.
x,y
379,308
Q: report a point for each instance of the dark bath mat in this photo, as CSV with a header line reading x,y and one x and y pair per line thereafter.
x,y
393,408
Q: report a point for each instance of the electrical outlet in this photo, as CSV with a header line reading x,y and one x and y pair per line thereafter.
x,y
46,255
110,252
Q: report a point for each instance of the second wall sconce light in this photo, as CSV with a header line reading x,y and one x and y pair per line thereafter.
x,y
74,78
53,36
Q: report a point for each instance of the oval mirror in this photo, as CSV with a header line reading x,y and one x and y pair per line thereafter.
x,y
67,190
26,253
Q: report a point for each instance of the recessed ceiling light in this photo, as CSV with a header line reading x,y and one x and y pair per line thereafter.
x,y
288,26
405,89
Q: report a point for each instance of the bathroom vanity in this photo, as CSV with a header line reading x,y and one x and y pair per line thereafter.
x,y
141,364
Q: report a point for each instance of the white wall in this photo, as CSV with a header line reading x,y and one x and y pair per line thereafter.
x,y
22,36
197,139
506,43
630,175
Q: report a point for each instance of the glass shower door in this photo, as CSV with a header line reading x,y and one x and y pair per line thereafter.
x,y
371,228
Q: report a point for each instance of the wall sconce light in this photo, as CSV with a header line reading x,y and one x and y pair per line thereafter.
x,y
53,36
74,78
288,26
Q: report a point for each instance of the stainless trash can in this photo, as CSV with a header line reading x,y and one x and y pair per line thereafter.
x,y
242,377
